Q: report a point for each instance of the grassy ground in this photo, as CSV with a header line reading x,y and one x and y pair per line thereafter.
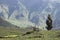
x,y
41,35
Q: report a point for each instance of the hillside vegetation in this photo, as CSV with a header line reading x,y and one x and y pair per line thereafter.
x,y
36,35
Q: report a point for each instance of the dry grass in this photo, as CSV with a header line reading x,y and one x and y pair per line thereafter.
x,y
14,34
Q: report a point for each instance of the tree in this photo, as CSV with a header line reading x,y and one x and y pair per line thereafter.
x,y
49,22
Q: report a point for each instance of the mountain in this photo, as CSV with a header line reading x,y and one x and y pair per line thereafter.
x,y
24,13
17,14
49,7
6,24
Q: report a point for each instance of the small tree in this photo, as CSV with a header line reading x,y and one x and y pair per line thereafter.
x,y
49,23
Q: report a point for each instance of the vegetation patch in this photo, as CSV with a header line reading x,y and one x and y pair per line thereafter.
x,y
9,36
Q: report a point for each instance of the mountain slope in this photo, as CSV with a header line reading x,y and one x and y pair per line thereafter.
x,y
4,23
